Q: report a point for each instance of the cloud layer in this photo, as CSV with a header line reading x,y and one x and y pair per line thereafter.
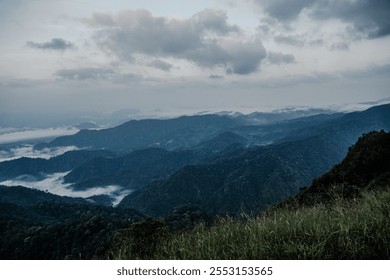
x,y
29,134
54,183
30,152
84,73
204,39
368,18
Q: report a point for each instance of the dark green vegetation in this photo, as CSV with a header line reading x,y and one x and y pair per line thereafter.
x,y
37,225
345,230
366,167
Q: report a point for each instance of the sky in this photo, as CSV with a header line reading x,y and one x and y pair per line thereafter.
x,y
65,59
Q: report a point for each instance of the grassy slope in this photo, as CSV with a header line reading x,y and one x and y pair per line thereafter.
x,y
357,229
353,229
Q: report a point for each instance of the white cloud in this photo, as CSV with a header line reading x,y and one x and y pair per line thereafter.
x,y
30,152
30,134
54,183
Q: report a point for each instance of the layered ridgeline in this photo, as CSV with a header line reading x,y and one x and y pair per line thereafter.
x,y
179,133
221,163
324,221
252,179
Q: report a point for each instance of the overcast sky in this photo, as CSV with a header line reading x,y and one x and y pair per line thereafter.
x,y
61,59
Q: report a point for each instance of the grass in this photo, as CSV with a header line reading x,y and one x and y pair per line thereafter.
x,y
345,229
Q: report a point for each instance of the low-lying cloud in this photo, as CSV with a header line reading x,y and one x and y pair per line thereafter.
x,y
54,183
29,152
30,134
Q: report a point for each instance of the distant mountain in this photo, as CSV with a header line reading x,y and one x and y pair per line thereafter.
x,y
221,142
139,168
179,133
255,178
38,167
245,180
348,127
284,115
133,170
25,197
284,130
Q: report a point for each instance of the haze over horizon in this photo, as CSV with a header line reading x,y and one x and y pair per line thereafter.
x,y
65,60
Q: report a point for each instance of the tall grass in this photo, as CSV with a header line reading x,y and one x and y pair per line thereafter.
x,y
352,229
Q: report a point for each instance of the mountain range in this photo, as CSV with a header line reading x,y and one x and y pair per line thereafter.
x,y
220,163
185,170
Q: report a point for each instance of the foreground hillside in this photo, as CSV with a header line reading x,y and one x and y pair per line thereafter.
x,y
333,226
358,229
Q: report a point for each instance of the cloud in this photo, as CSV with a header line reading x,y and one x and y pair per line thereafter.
x,y
284,10
369,18
371,71
84,73
344,46
56,44
54,183
216,77
214,20
289,40
202,39
162,65
30,134
280,58
30,152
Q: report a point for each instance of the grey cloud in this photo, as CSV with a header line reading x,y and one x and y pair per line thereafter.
x,y
289,40
284,10
371,71
214,20
126,78
216,77
280,58
237,57
162,65
57,44
199,39
369,18
339,46
84,73
246,57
